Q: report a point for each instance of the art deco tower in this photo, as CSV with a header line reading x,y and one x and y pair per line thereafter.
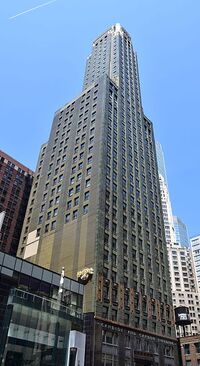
x,y
95,203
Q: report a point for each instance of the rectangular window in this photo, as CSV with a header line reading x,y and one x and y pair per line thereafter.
x,y
67,218
89,170
76,201
57,200
75,214
44,198
48,215
53,225
85,209
86,195
80,165
55,212
78,176
87,183
40,219
42,208
38,232
46,229
69,204
58,189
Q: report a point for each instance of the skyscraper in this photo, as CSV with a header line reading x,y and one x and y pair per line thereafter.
x,y
182,272
15,186
95,203
165,198
181,232
161,161
195,244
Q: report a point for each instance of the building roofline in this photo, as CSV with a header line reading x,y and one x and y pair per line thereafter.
x,y
16,162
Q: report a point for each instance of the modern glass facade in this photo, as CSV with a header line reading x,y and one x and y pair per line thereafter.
x,y
34,321
181,232
161,161
36,330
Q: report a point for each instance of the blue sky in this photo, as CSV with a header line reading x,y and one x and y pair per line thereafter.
x,y
42,61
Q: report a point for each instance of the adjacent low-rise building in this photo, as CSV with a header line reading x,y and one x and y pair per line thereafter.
x,y
190,350
41,322
15,185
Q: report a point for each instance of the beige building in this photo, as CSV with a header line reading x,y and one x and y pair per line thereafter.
x,y
185,291
95,203
190,350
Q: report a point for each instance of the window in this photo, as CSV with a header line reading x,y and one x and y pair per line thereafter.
x,y
53,225
85,209
80,165
76,201
67,218
44,198
72,180
48,215
69,204
42,208
197,345
75,214
86,195
89,160
58,189
38,232
55,212
53,191
57,200
40,219
87,183
186,349
89,170
71,191
78,176
46,229
78,187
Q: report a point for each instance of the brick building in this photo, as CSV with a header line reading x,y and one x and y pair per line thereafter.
x,y
15,185
190,349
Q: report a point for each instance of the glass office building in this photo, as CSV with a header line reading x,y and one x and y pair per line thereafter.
x,y
35,323
181,232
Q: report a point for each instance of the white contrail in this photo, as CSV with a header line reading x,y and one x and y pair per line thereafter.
x,y
36,7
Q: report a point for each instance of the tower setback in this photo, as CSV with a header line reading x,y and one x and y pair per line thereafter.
x,y
95,203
